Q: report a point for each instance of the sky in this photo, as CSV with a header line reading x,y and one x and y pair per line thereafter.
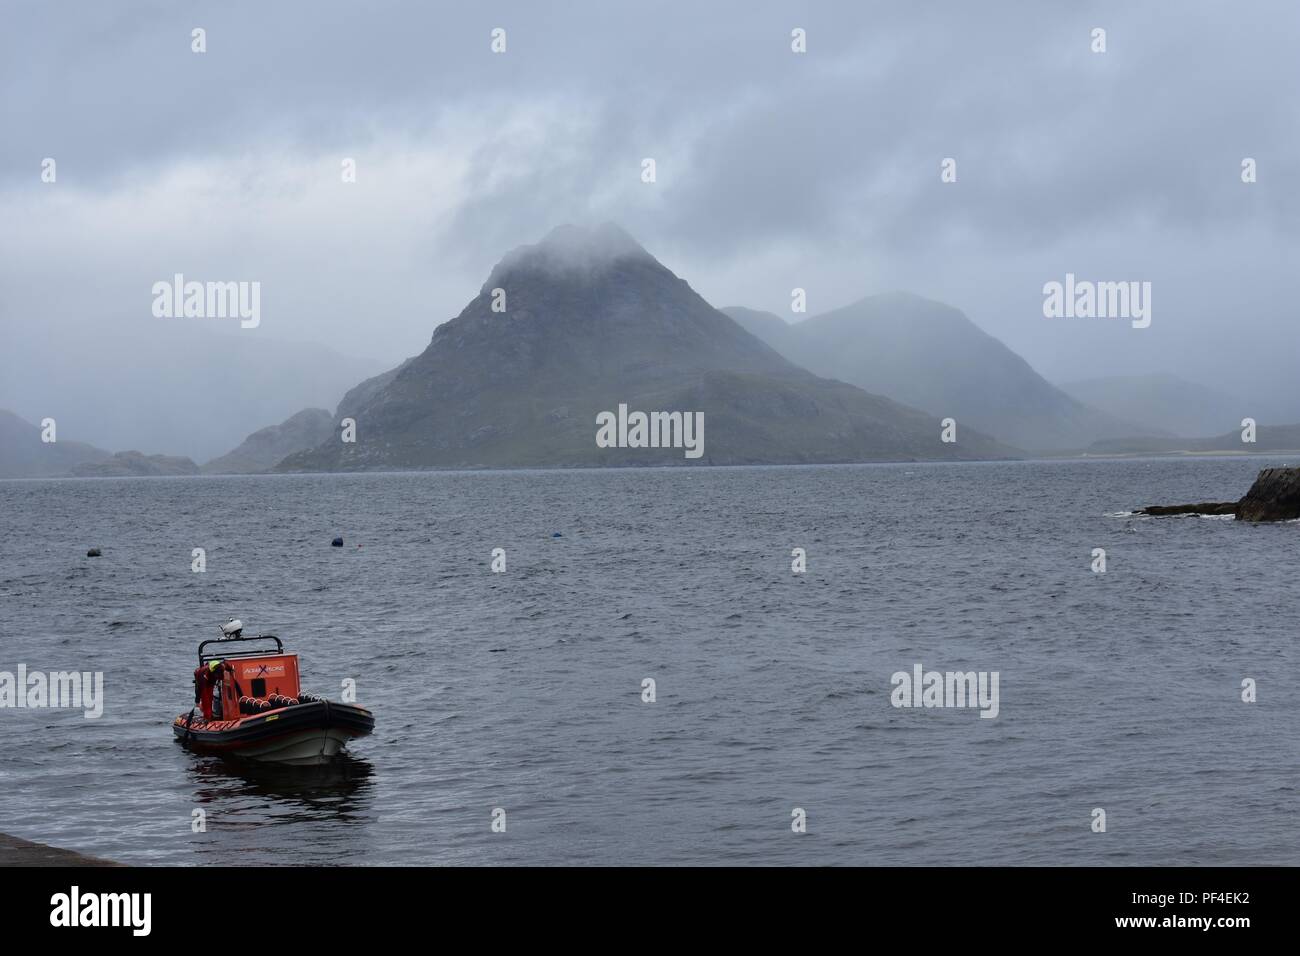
x,y
775,170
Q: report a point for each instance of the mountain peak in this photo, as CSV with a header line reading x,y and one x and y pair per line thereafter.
x,y
585,322
900,301
571,249
608,238
931,356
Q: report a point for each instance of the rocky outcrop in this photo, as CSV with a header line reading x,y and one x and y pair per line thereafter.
x,y
1275,496
133,464
1204,508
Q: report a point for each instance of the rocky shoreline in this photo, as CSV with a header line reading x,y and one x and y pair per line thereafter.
x,y
1275,496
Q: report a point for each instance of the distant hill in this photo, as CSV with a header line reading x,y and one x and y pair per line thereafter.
x,y
133,464
931,356
24,455
592,321
1268,438
264,448
1163,403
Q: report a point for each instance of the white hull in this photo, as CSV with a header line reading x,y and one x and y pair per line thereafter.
x,y
303,748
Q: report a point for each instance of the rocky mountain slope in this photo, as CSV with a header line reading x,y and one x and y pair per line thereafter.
x,y
931,356
585,321
263,449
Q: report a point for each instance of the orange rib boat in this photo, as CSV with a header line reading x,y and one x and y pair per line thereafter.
x,y
250,705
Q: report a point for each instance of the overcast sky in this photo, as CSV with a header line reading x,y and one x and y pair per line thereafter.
x,y
774,169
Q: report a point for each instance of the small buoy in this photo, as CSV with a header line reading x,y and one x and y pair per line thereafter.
x,y
93,553
337,543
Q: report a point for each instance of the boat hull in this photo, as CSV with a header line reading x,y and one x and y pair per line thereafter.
x,y
304,734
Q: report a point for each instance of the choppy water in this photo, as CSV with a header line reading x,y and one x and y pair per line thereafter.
x,y
522,690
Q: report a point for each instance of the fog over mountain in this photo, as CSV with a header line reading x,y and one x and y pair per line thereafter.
x,y
168,386
586,324
24,455
1167,403
1268,438
929,355
774,171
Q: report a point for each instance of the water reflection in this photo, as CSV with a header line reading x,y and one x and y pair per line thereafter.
x,y
340,790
